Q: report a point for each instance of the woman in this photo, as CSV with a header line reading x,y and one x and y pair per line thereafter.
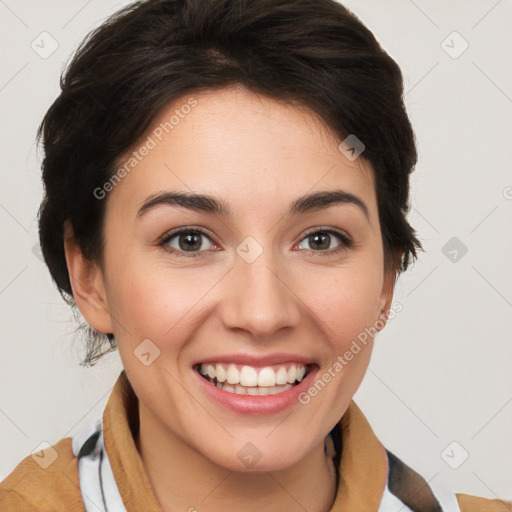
x,y
226,185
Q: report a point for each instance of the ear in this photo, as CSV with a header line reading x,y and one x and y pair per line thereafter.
x,y
388,287
87,284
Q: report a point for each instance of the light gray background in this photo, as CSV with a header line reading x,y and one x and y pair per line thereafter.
x,y
440,371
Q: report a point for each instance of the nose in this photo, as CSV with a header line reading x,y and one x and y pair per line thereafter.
x,y
260,298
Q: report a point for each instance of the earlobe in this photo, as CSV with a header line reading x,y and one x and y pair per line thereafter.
x,y
388,287
87,284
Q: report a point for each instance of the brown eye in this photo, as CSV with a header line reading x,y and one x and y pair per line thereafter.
x,y
189,241
322,240
183,241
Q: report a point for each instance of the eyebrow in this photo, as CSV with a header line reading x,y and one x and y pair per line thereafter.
x,y
208,204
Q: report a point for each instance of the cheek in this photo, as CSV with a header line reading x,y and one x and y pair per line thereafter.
x,y
152,300
346,302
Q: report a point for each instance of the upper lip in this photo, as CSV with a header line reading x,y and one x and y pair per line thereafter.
x,y
263,360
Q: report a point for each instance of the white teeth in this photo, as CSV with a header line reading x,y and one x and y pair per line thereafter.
x,y
233,375
248,376
292,375
267,377
281,376
262,391
221,373
211,371
238,389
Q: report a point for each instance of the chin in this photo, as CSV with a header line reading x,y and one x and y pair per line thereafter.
x,y
253,456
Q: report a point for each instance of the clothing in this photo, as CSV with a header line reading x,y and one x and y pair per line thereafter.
x,y
100,469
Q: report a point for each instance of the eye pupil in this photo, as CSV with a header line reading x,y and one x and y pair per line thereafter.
x,y
190,244
323,237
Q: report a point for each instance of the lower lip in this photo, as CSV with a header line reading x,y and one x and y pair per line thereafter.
x,y
257,405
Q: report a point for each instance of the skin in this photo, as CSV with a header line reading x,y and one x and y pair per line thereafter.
x,y
258,155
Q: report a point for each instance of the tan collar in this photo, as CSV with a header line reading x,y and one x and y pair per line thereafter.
x,y
119,417
363,468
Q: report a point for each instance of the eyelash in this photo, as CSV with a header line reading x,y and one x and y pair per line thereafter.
x,y
346,242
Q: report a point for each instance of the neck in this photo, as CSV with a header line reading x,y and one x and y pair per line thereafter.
x,y
184,479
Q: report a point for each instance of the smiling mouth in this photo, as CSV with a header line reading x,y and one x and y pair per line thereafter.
x,y
249,380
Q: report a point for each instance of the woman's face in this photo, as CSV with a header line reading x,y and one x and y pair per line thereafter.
x,y
257,284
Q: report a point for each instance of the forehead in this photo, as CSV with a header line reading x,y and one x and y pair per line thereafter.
x,y
240,146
